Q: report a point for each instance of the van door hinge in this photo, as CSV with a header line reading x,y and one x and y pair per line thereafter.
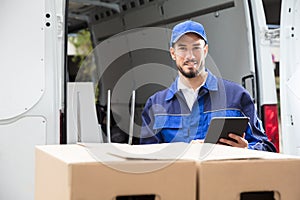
x,y
60,26
272,35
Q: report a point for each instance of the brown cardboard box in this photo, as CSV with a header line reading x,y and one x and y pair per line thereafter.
x,y
166,170
76,172
228,173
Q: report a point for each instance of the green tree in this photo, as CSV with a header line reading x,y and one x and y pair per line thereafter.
x,y
83,45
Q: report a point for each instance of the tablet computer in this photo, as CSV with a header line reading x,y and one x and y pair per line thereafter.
x,y
220,127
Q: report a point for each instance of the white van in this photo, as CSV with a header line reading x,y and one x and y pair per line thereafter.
x,y
33,73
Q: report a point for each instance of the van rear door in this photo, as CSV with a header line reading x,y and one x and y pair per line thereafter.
x,y
32,53
289,76
265,74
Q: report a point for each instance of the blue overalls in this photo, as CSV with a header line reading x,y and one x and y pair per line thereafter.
x,y
167,118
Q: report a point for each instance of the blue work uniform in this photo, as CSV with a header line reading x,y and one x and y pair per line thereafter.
x,y
167,118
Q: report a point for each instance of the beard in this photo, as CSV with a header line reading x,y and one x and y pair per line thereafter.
x,y
189,74
192,73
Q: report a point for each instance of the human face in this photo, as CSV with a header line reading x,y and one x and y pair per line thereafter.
x,y
189,53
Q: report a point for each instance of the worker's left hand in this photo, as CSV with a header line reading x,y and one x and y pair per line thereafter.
x,y
198,141
240,141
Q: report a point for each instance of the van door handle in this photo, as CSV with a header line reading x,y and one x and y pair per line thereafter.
x,y
251,77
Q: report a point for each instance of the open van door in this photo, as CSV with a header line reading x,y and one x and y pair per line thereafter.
x,y
289,76
31,71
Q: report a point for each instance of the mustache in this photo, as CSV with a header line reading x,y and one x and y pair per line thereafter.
x,y
190,61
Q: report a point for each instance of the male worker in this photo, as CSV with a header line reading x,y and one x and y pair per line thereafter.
x,y
182,113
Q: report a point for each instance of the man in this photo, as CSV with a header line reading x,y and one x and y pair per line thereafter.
x,y
182,113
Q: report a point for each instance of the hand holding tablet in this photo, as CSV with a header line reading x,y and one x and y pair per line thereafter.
x,y
221,127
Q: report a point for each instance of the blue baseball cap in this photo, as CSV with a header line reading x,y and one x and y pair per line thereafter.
x,y
187,27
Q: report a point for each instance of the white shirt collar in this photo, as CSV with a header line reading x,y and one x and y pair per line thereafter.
x,y
189,93
182,86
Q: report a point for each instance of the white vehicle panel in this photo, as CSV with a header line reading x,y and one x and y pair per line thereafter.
x,y
17,143
22,71
266,75
289,76
31,78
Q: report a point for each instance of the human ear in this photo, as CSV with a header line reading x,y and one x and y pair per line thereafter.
x,y
205,51
172,52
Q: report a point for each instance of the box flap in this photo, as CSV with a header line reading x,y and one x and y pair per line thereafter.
x,y
74,153
182,151
213,152
170,151
115,152
166,151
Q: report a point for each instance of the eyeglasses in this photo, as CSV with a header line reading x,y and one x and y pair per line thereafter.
x,y
184,50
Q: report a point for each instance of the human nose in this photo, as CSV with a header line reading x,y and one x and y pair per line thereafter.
x,y
189,54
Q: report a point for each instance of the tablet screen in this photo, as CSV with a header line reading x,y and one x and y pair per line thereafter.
x,y
220,127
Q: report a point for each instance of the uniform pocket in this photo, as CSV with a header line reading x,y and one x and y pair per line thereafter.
x,y
167,121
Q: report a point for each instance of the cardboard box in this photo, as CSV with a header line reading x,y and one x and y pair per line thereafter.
x,y
76,172
228,173
170,171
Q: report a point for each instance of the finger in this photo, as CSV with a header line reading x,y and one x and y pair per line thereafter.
x,y
197,141
235,137
240,141
193,142
229,142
